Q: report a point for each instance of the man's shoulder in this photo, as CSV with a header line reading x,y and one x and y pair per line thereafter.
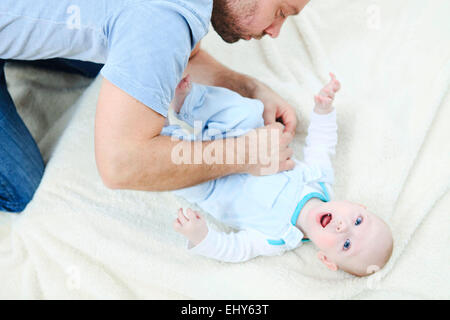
x,y
193,14
199,9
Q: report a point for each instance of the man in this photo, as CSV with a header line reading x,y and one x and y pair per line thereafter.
x,y
146,46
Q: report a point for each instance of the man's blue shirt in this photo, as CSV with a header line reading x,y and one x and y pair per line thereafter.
x,y
144,44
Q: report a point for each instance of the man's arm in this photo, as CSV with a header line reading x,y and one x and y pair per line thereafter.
x,y
131,153
204,69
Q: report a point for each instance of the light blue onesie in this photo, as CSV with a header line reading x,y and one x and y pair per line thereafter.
x,y
264,208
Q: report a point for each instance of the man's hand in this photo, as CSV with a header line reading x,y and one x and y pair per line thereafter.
x,y
270,152
204,69
275,107
193,226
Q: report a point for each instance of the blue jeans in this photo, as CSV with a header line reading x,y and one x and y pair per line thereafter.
x,y
21,164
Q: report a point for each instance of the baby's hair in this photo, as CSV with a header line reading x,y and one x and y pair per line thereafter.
x,y
373,268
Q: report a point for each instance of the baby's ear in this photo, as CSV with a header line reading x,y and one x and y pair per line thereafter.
x,y
329,264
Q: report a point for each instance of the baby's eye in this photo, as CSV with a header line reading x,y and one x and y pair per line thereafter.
x,y
347,244
358,221
282,14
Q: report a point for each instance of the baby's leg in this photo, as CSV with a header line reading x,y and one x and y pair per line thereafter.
x,y
214,112
230,114
181,92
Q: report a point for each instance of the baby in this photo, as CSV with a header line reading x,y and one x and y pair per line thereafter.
x,y
279,212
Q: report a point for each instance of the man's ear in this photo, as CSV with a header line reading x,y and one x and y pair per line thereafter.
x,y
329,264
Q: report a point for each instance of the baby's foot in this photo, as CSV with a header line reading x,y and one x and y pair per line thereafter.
x,y
181,92
325,97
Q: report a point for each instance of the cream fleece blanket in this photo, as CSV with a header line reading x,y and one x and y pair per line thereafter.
x,y
77,239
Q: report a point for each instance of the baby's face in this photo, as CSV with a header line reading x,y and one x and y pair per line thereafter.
x,y
349,237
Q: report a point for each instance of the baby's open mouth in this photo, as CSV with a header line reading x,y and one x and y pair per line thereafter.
x,y
325,219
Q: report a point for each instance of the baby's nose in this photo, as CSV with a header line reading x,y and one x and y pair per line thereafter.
x,y
341,226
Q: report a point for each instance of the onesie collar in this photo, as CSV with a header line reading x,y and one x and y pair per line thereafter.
x,y
324,197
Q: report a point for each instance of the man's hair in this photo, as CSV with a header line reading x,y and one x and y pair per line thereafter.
x,y
225,19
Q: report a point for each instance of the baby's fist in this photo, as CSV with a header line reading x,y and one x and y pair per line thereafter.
x,y
324,100
192,225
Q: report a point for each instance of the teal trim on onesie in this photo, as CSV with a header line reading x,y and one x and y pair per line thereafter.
x,y
324,197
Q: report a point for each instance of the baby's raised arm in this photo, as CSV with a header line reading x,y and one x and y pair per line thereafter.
x,y
228,247
322,132
324,100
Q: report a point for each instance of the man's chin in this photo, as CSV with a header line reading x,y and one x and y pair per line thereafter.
x,y
237,38
230,39
234,40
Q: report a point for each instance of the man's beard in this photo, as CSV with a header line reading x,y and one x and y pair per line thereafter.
x,y
228,16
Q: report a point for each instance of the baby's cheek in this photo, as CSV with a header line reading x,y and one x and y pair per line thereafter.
x,y
325,241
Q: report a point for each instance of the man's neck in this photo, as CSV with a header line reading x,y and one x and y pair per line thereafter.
x,y
301,220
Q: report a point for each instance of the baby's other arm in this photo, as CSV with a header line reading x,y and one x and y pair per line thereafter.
x,y
322,133
228,247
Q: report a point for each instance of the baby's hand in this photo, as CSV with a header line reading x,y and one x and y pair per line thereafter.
x,y
193,227
324,100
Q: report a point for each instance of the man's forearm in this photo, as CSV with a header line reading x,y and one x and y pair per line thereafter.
x,y
131,154
153,166
204,69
